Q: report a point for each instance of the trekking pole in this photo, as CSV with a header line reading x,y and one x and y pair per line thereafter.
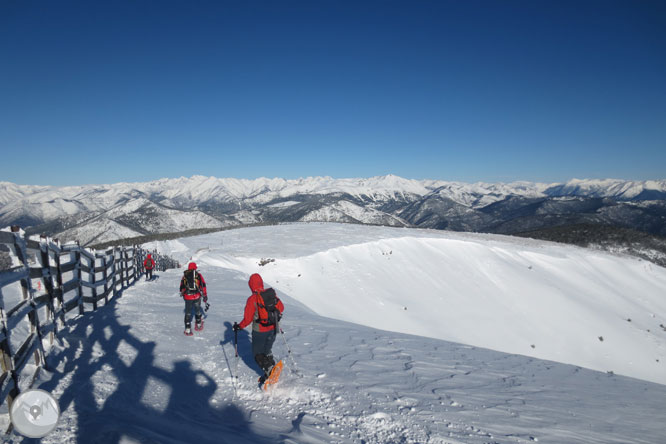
x,y
234,377
294,369
236,346
229,366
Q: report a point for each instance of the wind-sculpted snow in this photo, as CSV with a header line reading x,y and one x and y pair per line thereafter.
x,y
549,301
127,374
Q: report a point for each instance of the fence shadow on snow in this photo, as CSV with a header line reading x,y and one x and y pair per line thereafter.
x,y
136,406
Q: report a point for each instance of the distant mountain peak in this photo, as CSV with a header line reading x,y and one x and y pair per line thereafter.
x,y
386,199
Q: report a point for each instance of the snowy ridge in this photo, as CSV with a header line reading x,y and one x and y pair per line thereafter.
x,y
202,189
494,292
480,194
386,200
135,218
613,188
349,212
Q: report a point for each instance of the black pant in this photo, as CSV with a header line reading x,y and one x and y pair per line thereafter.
x,y
149,273
262,345
189,305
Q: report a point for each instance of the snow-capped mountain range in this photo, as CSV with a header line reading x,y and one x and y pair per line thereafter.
x,y
99,213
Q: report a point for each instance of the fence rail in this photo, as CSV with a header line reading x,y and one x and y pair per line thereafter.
x,y
45,283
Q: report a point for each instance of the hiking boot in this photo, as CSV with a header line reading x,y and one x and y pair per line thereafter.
x,y
188,331
198,326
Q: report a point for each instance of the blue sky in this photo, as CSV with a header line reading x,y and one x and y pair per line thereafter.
x,y
495,91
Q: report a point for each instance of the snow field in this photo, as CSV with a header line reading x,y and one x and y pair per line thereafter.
x,y
553,302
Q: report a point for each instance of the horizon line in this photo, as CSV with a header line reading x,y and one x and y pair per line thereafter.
x,y
302,178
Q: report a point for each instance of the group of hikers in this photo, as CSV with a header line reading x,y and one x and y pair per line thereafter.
x,y
263,309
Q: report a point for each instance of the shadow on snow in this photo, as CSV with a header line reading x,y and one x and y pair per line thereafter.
x,y
244,348
124,415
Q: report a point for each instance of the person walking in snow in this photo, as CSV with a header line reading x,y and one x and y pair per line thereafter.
x,y
264,310
192,288
149,264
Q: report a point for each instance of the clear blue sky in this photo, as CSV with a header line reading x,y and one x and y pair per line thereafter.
x,y
103,92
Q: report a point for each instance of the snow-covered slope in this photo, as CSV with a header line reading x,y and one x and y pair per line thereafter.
x,y
348,212
479,195
135,218
103,230
126,374
614,188
550,301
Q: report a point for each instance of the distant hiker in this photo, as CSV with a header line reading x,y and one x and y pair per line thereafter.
x,y
192,287
149,264
264,310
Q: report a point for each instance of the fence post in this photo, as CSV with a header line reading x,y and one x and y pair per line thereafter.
x,y
135,264
120,269
117,270
93,279
114,272
21,254
59,294
20,248
105,276
77,257
131,267
125,270
47,279
134,269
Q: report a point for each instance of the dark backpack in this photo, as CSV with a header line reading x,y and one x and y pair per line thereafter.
x,y
267,308
191,284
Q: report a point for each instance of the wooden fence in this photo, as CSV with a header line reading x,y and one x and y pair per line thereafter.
x,y
46,285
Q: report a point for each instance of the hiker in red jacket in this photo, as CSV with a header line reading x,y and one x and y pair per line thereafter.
x,y
192,287
263,309
149,264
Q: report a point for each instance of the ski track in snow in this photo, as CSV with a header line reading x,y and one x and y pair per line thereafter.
x,y
127,374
